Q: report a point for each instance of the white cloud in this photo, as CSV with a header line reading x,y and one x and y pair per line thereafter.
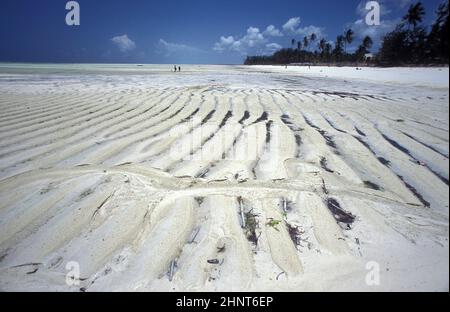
x,y
292,27
257,42
170,48
272,31
292,24
253,40
273,47
309,30
253,37
124,43
224,43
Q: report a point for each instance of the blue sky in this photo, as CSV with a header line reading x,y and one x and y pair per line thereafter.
x,y
179,31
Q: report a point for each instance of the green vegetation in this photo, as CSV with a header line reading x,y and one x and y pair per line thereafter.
x,y
274,224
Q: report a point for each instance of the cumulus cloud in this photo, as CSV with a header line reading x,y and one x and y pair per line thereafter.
x,y
262,42
272,31
224,43
257,42
170,48
292,24
253,37
253,40
309,30
273,47
124,43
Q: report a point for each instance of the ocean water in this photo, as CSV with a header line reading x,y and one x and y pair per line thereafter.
x,y
116,76
134,69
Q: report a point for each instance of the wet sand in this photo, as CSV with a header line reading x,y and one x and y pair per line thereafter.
x,y
223,179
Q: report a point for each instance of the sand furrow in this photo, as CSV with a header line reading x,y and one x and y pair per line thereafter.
x,y
230,180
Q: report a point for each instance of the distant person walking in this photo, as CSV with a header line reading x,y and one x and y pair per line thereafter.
x,y
179,68
175,68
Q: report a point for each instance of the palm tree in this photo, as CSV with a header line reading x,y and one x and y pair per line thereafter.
x,y
415,14
293,41
340,41
338,49
305,42
437,39
299,45
327,50
348,36
367,43
313,37
322,44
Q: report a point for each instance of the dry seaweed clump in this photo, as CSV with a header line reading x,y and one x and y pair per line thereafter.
x,y
251,227
295,234
340,214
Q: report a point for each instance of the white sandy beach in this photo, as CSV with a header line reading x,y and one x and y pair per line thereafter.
x,y
223,178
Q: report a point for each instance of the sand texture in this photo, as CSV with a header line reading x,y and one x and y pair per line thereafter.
x,y
224,179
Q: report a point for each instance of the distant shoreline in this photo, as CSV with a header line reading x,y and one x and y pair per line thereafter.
x,y
357,65
122,64
237,65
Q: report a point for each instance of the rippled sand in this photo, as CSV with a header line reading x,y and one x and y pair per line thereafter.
x,y
222,178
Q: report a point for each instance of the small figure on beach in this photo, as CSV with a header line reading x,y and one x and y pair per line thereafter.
x,y
175,68
179,68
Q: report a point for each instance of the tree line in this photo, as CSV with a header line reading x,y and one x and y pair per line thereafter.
x,y
410,43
